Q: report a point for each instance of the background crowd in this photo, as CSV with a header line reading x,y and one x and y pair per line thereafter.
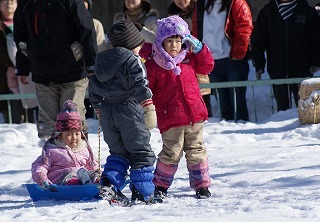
x,y
235,31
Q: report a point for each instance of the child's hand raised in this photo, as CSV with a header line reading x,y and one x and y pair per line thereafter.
x,y
195,44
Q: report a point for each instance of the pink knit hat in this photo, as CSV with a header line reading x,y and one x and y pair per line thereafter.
x,y
167,27
68,118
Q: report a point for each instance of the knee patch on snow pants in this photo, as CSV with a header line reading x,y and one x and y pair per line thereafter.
x,y
115,170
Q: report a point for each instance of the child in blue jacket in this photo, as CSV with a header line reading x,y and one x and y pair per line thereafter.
x,y
120,95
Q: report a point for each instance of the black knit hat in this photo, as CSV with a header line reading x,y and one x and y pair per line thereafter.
x,y
125,34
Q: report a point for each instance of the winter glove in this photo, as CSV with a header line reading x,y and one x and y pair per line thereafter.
x,y
314,69
90,70
195,44
97,111
150,116
77,50
258,74
47,185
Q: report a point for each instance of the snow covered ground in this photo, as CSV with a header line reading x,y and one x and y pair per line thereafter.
x,y
260,171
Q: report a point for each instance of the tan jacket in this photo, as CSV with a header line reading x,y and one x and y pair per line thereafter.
x,y
204,79
101,39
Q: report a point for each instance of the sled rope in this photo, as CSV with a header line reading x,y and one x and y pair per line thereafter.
x,y
315,100
99,147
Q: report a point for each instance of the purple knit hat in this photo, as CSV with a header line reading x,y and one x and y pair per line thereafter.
x,y
167,27
68,118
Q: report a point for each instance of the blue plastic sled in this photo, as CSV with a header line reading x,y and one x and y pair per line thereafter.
x,y
74,192
71,192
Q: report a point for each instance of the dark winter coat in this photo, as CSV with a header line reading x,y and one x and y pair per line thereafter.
x,y
117,88
5,62
291,47
49,28
119,75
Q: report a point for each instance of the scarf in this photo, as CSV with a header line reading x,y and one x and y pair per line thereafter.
x,y
136,16
165,61
286,9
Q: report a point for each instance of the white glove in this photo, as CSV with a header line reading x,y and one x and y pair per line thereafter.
x,y
150,116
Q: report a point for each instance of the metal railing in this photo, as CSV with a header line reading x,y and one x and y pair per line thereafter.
x,y
217,85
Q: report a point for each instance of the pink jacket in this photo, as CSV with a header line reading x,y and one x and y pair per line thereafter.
x,y
177,98
55,161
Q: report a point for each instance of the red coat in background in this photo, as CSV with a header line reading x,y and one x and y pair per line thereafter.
x,y
177,98
238,26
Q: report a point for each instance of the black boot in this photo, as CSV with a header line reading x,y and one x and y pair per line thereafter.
x,y
203,193
160,192
137,198
109,193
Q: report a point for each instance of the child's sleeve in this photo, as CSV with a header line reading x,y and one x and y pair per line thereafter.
x,y
138,82
39,169
204,61
94,98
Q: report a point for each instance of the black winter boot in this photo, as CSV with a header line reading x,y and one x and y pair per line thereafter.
x,y
137,198
109,193
203,193
160,192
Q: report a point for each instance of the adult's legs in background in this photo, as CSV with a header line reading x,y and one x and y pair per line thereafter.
x,y
281,96
231,70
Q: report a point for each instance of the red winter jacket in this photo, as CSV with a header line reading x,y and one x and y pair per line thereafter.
x,y
238,26
177,98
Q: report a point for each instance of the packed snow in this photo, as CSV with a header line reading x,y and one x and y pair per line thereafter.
x,y
267,170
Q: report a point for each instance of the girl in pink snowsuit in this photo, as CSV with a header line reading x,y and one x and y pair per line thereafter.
x,y
67,158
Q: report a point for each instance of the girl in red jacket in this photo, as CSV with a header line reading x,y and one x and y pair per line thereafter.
x,y
171,69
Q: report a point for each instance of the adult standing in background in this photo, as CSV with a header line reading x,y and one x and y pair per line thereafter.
x,y
142,15
101,44
49,36
185,8
289,32
101,39
225,26
8,79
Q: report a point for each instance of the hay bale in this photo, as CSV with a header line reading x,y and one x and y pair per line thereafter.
x,y
308,86
309,105
309,115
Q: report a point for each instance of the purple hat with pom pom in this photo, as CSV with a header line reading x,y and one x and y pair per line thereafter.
x,y
167,27
68,118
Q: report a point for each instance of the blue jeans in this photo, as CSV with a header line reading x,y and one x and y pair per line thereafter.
x,y
231,70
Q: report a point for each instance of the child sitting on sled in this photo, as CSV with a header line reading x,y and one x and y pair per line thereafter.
x,y
67,158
